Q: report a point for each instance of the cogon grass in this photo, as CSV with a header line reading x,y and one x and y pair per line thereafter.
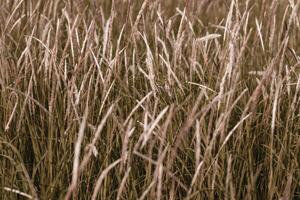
x,y
149,99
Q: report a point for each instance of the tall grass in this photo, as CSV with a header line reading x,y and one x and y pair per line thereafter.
x,y
149,99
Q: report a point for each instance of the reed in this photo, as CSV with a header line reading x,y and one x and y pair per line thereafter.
x,y
127,99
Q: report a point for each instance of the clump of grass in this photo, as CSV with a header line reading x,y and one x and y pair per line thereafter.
x,y
149,99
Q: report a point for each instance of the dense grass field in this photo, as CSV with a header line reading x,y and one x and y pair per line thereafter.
x,y
150,99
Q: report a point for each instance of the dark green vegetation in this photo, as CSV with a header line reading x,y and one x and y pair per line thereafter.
x,y
150,99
